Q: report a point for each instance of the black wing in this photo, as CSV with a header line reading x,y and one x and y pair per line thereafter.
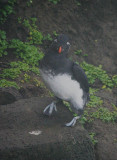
x,y
80,76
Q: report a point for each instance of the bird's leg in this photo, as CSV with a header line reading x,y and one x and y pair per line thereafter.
x,y
72,122
51,108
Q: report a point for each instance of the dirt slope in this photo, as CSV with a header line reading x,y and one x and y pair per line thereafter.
x,y
92,26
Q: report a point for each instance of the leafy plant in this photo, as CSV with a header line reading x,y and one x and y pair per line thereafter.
x,y
6,9
94,73
26,77
3,43
21,65
48,37
54,1
29,2
29,53
55,33
35,70
114,79
35,36
105,115
78,52
85,55
39,83
84,118
92,135
11,73
94,100
6,83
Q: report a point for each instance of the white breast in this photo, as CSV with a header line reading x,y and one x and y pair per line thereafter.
x,y
64,87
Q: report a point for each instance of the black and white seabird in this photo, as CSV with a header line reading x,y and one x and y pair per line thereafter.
x,y
64,78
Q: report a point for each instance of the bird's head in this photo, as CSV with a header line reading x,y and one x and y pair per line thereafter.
x,y
61,44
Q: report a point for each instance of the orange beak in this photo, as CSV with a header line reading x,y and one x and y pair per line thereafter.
x,y
60,49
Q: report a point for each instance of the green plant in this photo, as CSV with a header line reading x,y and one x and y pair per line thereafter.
x,y
35,36
94,73
84,118
29,2
48,37
78,52
67,104
11,73
6,9
55,33
94,100
39,83
35,70
85,55
26,77
3,43
92,135
6,83
105,115
115,107
114,79
54,1
29,53
21,65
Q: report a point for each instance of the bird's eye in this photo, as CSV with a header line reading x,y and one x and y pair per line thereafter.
x,y
55,40
68,43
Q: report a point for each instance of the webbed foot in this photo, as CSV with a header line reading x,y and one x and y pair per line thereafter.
x,y
72,122
50,109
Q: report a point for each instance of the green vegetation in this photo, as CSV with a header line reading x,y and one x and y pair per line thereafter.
x,y
48,37
6,9
55,33
94,100
54,1
78,52
3,43
35,36
29,2
92,135
6,83
97,73
28,54
105,115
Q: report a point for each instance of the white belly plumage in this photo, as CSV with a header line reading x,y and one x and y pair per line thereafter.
x,y
64,88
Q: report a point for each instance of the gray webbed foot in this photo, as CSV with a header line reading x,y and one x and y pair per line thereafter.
x,y
50,109
72,122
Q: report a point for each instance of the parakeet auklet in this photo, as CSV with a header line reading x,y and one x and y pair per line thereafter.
x,y
64,78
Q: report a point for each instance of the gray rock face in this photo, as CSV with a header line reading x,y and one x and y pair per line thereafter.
x,y
9,95
26,134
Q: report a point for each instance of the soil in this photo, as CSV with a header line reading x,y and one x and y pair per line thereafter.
x,y
92,27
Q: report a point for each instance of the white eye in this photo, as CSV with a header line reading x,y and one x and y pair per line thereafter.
x,y
68,43
55,40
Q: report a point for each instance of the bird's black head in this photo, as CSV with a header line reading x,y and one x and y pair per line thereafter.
x,y
61,44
